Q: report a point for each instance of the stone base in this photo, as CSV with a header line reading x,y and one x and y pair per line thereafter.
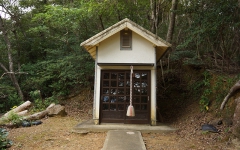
x,y
96,121
153,122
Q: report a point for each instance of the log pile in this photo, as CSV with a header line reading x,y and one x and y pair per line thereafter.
x,y
22,111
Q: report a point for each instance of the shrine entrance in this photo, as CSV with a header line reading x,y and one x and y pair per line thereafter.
x,y
115,96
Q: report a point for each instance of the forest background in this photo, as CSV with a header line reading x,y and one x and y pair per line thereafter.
x,y
41,58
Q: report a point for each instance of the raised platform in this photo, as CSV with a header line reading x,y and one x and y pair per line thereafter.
x,y
89,126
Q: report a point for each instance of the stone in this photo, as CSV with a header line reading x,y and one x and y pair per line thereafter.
x,y
57,110
209,127
96,121
216,122
90,112
82,132
227,121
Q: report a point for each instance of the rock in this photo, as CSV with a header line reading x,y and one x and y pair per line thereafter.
x,y
37,122
27,123
82,132
236,143
57,110
90,112
227,121
210,128
216,122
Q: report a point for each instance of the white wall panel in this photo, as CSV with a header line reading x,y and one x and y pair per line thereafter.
x,y
142,51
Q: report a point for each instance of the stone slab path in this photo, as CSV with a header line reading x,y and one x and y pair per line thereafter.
x,y
124,140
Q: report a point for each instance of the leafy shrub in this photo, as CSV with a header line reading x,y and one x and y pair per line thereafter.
x,y
57,76
205,99
182,54
14,118
215,88
221,87
39,103
11,100
187,57
4,142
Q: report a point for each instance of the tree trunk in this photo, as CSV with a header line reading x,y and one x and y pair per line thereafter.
x,y
172,21
155,8
11,70
233,89
101,21
236,119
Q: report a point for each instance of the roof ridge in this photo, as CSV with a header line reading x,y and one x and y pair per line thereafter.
x,y
122,22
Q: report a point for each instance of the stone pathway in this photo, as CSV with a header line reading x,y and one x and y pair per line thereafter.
x,y
124,140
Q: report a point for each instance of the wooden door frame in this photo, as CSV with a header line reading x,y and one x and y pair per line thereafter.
x,y
127,120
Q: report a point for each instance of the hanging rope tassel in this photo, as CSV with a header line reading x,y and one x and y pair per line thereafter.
x,y
130,110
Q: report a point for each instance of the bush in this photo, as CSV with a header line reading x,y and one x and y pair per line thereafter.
x,y
4,142
14,118
39,103
57,76
11,100
205,98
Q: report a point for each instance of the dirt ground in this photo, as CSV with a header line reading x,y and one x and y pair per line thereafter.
x,y
55,133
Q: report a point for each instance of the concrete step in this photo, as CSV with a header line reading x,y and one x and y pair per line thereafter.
x,y
89,126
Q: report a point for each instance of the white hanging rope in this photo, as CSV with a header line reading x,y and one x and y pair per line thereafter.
x,y
130,109
131,85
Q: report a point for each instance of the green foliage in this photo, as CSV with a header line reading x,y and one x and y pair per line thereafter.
x,y
186,57
4,142
193,61
14,118
195,88
45,41
39,103
211,27
57,77
222,86
11,99
205,98
183,54
215,88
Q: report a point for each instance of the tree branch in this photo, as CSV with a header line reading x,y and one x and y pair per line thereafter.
x,y
12,73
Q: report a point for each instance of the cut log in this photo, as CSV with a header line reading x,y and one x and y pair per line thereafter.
x,y
232,91
22,113
20,108
41,114
37,116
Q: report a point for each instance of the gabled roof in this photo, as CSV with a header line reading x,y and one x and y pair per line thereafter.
x,y
91,43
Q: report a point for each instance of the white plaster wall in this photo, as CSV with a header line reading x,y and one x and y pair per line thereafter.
x,y
142,50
